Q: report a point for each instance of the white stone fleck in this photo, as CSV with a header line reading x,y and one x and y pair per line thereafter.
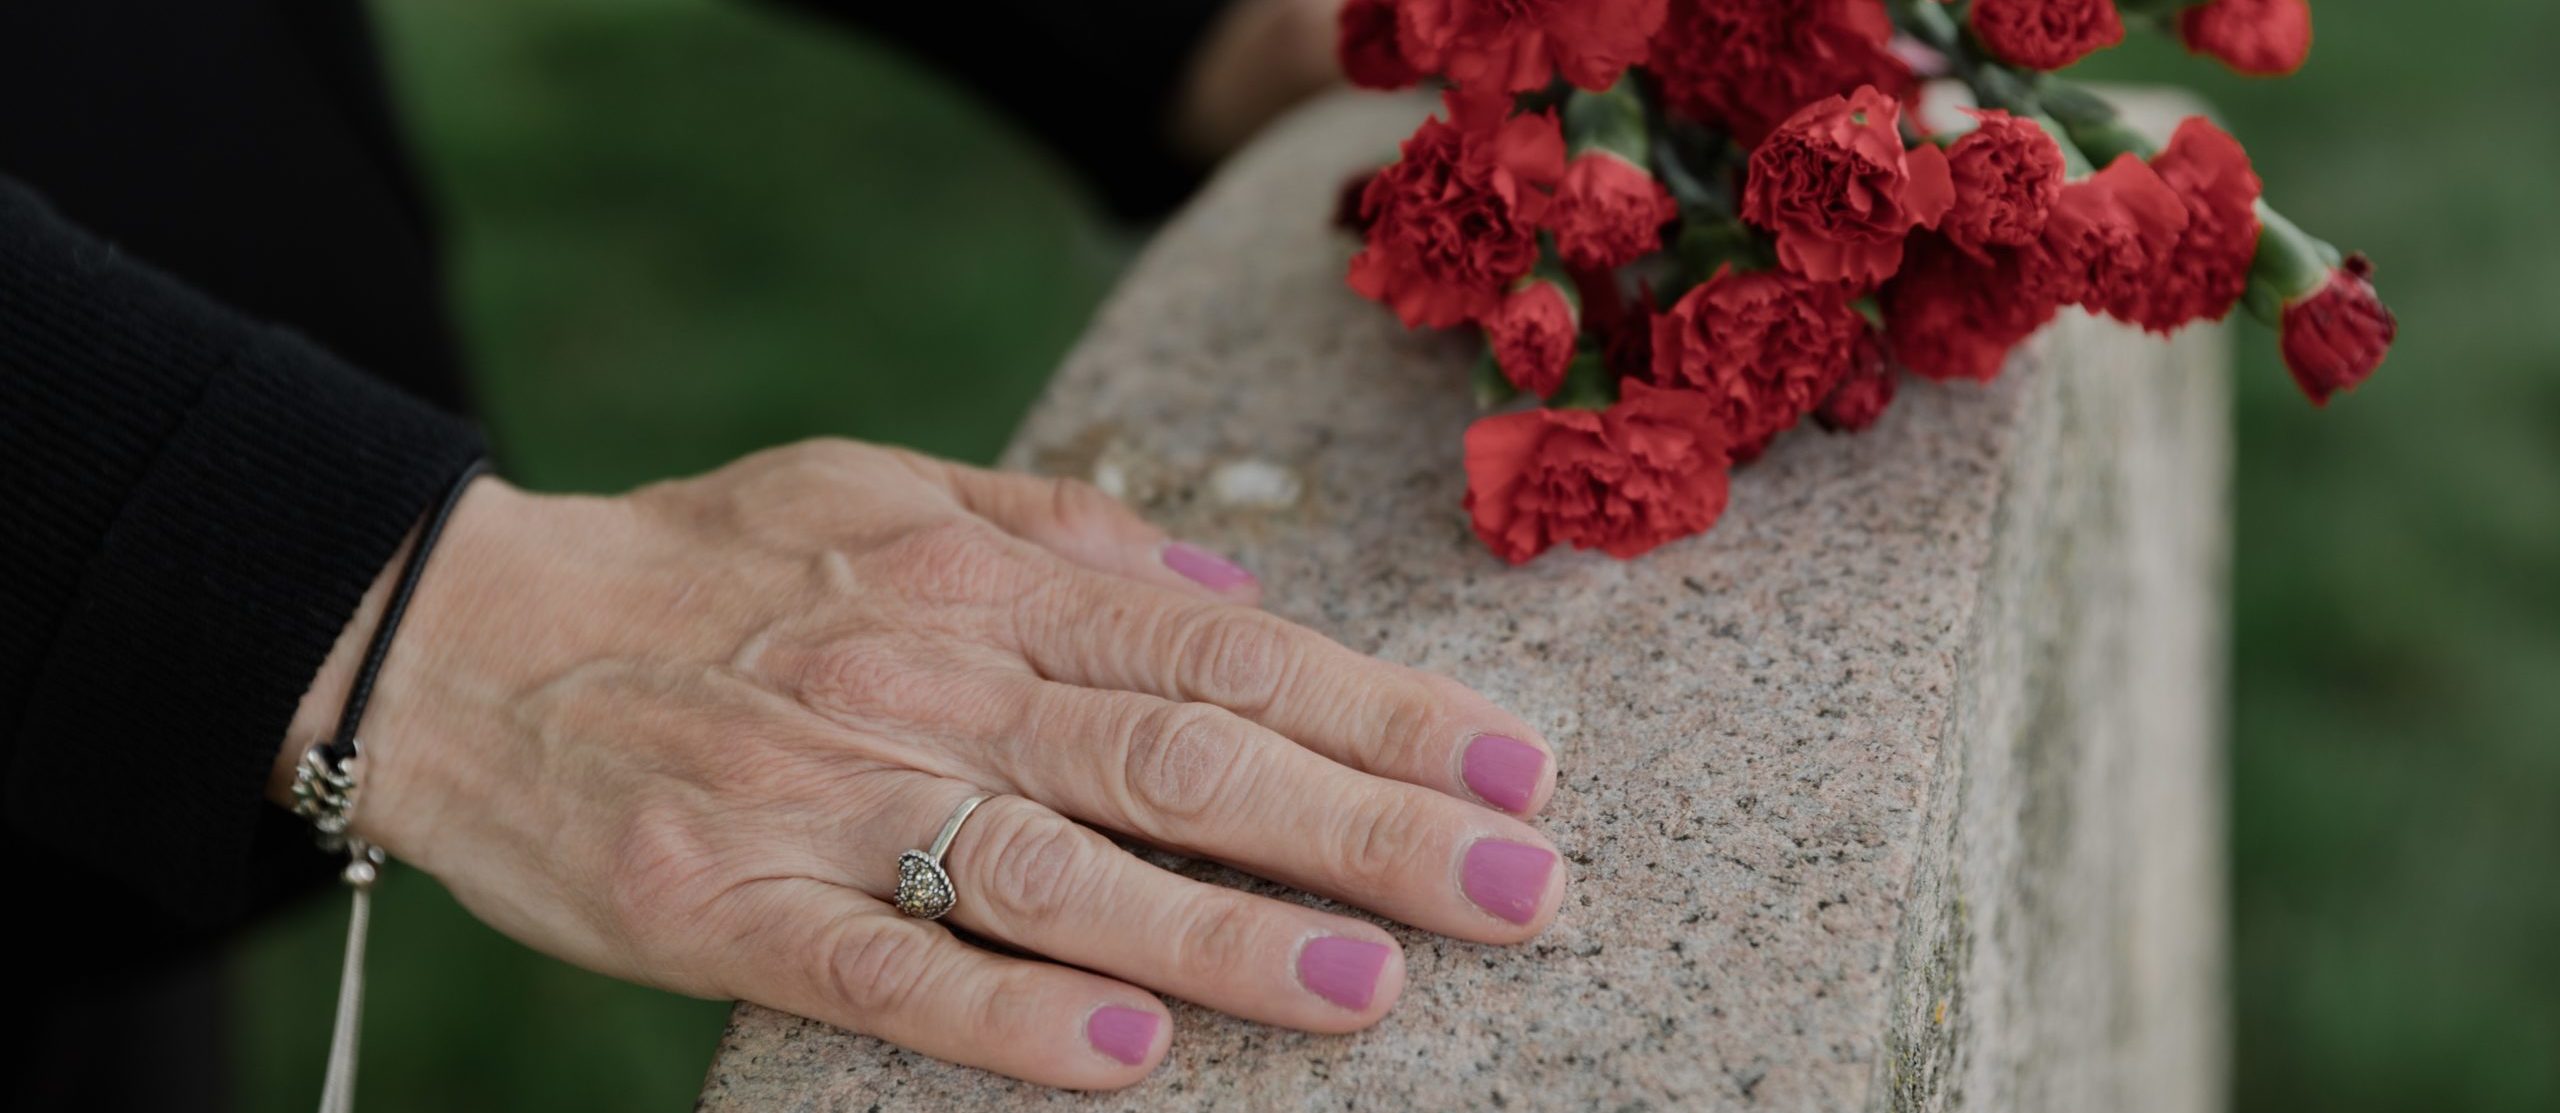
x,y
1255,485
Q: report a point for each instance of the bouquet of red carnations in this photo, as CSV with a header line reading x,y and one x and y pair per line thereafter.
x,y
1684,226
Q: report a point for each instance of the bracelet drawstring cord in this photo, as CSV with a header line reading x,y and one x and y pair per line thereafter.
x,y
325,785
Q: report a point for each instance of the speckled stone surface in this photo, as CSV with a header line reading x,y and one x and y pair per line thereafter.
x,y
1900,790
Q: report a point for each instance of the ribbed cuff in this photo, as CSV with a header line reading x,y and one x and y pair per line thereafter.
x,y
216,497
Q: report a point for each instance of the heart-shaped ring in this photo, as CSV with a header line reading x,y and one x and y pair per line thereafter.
x,y
924,890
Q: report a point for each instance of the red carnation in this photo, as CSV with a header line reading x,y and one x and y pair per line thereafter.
x,y
1747,65
1763,347
1371,56
2262,38
1836,187
1532,335
2204,274
1863,394
1517,45
2109,233
1455,220
2007,173
2335,336
2046,34
1951,314
1608,212
1647,470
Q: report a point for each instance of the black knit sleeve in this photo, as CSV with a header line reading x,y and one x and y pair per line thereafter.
x,y
1096,81
196,503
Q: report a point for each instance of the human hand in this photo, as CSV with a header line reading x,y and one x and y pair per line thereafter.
x,y
681,737
1259,59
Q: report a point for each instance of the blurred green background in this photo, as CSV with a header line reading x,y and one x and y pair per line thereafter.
x,y
683,229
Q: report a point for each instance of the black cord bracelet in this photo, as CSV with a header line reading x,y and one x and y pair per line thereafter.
x,y
324,792
324,784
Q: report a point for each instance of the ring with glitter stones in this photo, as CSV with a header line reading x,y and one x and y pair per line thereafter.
x,y
924,890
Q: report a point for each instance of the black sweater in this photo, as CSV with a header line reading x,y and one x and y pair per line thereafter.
x,y
228,388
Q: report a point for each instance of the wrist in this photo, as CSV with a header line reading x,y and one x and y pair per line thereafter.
x,y
316,715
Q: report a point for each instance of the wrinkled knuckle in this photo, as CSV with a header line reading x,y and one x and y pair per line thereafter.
x,y
660,873
876,967
1034,864
1384,839
1079,507
1219,944
866,681
1413,721
1239,659
1009,1011
1178,756
958,560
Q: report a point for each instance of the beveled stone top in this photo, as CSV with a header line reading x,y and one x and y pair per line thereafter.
x,y
1748,723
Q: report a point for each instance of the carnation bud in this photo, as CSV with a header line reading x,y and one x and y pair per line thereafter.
x,y
2261,38
2334,328
1532,334
2046,34
2338,334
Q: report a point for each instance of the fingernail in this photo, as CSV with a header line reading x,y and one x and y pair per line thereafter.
x,y
1504,771
1343,971
1507,878
1205,568
1123,1034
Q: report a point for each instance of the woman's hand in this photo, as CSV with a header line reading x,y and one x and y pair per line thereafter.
x,y
681,737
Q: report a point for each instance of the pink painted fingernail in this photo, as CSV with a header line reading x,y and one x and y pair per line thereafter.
x,y
1504,771
1205,568
1123,1034
1507,878
1343,971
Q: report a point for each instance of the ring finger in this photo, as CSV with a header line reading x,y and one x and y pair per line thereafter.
x,y
1034,879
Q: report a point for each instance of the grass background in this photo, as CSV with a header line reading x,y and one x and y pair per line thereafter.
x,y
684,229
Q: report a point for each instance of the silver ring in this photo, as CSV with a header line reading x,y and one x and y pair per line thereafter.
x,y
924,891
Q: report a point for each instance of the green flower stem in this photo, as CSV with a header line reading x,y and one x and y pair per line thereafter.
x,y
2161,14
2093,123
1587,384
1612,121
1705,246
1551,270
1928,21
1493,389
2291,264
